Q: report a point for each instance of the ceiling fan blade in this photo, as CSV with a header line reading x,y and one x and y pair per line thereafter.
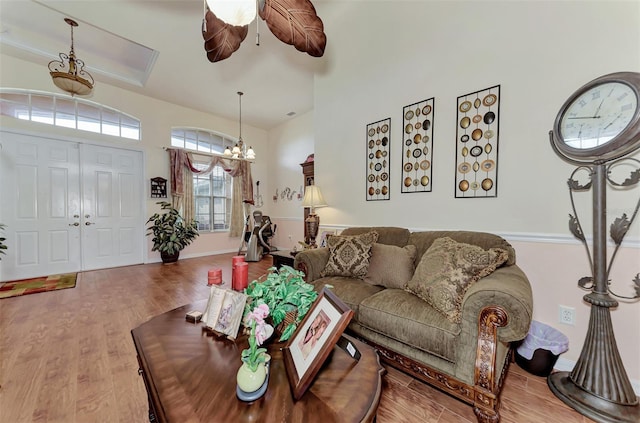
x,y
295,22
220,38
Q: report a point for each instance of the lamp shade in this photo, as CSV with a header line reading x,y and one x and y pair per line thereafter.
x,y
233,12
313,197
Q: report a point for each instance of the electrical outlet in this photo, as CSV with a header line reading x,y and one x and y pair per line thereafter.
x,y
567,315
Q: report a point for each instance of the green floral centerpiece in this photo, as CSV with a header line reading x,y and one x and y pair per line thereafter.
x,y
286,294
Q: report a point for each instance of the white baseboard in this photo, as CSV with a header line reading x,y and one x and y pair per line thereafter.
x,y
157,258
565,365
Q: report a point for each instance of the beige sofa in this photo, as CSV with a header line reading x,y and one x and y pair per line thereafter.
x,y
467,359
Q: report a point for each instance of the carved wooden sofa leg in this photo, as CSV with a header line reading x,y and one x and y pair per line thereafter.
x,y
486,402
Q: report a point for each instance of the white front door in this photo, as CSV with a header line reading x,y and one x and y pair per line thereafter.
x,y
40,202
68,206
112,227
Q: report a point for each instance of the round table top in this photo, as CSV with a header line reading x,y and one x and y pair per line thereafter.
x,y
191,377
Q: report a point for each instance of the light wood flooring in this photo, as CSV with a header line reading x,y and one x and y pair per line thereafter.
x,y
67,356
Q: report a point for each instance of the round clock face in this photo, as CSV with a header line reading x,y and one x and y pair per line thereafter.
x,y
597,116
601,120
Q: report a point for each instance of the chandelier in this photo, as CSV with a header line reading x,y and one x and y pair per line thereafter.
x,y
240,150
294,22
68,73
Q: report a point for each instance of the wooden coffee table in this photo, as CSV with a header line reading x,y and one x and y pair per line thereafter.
x,y
191,377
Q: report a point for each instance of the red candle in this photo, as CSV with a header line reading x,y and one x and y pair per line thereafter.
x,y
214,276
241,276
234,261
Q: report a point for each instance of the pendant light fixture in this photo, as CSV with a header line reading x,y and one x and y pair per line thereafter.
x,y
240,150
68,73
234,12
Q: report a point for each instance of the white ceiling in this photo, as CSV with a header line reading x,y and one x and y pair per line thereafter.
x,y
155,48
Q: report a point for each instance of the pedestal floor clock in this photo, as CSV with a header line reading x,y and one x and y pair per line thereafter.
x,y
596,129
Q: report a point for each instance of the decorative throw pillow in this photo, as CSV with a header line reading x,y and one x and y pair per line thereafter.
x,y
447,269
391,266
349,255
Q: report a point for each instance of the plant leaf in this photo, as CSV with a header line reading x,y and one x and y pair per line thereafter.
x,y
574,227
575,185
287,332
633,178
619,228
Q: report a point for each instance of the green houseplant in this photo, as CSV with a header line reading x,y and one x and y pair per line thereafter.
x,y
287,295
3,246
171,233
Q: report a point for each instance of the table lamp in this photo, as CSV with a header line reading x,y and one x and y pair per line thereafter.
x,y
313,198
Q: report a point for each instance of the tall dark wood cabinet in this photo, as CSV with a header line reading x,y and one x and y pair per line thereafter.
x,y
307,171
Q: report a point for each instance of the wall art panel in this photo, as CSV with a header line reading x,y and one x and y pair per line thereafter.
x,y
417,147
378,160
477,134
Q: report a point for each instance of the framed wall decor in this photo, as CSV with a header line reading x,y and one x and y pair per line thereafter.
x,y
417,147
158,187
314,340
378,160
477,134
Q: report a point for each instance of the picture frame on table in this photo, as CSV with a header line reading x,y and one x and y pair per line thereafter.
x,y
314,339
224,311
324,236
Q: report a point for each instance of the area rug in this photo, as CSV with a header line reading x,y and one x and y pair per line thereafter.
x,y
35,285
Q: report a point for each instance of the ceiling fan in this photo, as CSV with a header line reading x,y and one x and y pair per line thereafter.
x,y
293,22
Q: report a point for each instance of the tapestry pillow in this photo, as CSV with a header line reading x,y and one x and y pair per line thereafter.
x,y
349,255
447,269
391,266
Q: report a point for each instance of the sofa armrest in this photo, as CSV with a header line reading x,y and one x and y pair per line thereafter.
x,y
496,311
509,289
311,262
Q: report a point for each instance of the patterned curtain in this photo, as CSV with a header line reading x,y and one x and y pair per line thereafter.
x,y
181,163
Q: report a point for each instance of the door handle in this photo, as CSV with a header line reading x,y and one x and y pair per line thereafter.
x,y
89,223
74,224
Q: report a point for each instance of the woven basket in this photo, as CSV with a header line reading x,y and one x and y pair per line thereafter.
x,y
289,318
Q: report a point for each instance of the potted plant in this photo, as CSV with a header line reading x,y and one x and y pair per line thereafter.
x,y
171,233
288,296
253,373
3,246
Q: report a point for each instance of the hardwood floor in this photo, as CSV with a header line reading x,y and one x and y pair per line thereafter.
x,y
67,356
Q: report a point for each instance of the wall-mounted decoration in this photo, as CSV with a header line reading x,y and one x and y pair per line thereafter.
x,y
158,187
287,194
417,147
378,160
477,130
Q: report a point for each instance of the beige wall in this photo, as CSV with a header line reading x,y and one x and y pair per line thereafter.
x,y
393,53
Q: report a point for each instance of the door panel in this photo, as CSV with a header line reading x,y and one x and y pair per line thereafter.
x,y
40,195
112,207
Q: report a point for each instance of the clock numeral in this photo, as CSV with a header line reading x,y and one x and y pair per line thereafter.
x,y
582,103
628,106
622,97
595,95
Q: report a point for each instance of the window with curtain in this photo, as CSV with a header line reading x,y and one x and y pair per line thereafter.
x,y
212,198
212,193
